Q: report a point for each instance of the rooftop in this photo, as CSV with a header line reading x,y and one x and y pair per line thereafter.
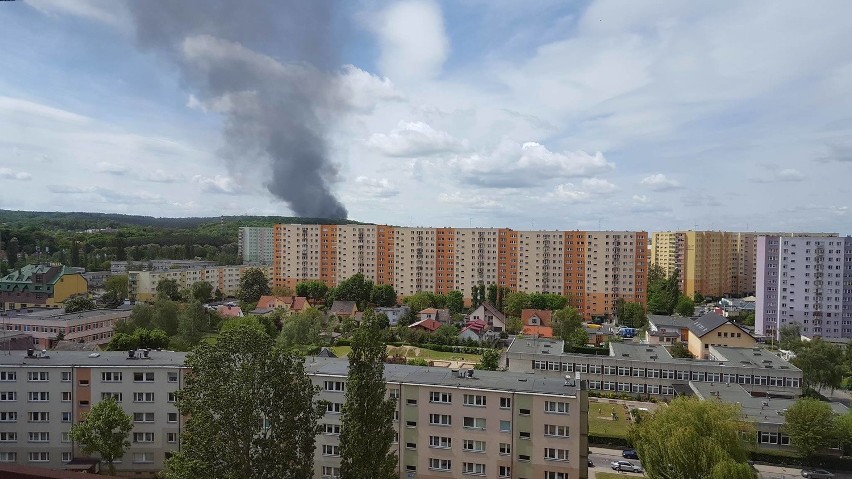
x,y
87,358
61,315
423,375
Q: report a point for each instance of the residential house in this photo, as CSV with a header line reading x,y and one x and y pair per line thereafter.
x,y
537,323
667,329
394,314
290,304
714,330
40,285
343,309
428,325
230,310
441,315
473,330
486,312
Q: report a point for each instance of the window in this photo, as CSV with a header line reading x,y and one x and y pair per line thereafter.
x,y
553,454
7,376
39,456
505,403
143,417
440,420
8,437
440,397
411,468
8,396
38,416
410,424
66,456
505,449
143,377
411,402
524,412
555,431
335,386
524,457
440,442
172,397
410,445
330,472
110,377
37,376
474,400
473,446
66,417
440,464
505,426
66,437
555,475
39,437
172,417
473,468
331,429
8,456
524,435
334,407
172,377
557,407
143,457
38,396
66,376
143,397
330,450
474,422
393,394
504,471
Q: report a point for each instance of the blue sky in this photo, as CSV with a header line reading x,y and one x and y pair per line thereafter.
x,y
550,114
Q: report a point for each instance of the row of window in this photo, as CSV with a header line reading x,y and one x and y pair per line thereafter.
x,y
44,396
44,456
43,416
107,377
44,436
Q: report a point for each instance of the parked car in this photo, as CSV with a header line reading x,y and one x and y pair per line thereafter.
x,y
817,474
625,466
629,454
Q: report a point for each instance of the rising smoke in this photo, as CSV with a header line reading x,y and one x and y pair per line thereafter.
x,y
278,105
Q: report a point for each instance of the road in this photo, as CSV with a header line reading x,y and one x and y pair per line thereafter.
x,y
602,458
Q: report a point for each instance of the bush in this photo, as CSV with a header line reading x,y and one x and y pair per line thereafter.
x,y
617,442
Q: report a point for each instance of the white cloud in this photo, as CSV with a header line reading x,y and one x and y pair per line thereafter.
x,y
599,185
10,174
111,168
640,199
660,182
789,174
413,139
218,184
362,90
27,111
569,193
376,187
109,196
468,201
160,176
412,40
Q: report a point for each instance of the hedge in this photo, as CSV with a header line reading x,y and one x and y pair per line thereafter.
x,y
619,442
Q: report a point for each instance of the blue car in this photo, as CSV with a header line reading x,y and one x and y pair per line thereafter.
x,y
629,454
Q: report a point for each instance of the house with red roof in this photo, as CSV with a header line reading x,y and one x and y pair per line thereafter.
x,y
473,330
441,315
428,325
291,304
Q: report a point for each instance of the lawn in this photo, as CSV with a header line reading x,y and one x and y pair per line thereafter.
x,y
601,422
608,475
413,352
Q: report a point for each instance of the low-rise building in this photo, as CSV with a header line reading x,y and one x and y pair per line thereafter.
x,y
650,371
289,304
142,285
123,267
699,333
40,286
443,316
343,309
489,314
46,326
394,314
452,423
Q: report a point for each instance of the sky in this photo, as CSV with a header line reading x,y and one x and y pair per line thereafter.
x,y
619,115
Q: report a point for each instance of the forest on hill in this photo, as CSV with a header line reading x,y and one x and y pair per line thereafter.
x,y
92,240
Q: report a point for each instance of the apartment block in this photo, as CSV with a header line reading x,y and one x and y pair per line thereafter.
x,y
805,280
122,267
45,325
255,245
142,285
40,285
650,371
42,396
457,424
593,269
713,263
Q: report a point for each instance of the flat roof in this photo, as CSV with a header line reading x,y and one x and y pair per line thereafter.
x,y
759,409
60,314
437,376
754,357
84,358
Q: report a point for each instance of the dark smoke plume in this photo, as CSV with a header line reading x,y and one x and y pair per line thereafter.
x,y
266,65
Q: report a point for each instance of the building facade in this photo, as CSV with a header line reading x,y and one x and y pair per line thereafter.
x,y
255,245
593,269
122,267
650,371
40,285
142,285
41,397
46,325
805,280
449,424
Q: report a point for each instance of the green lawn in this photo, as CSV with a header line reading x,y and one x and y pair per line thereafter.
x,y
607,475
427,354
601,423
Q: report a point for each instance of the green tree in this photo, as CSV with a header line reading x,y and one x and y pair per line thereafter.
x,y
790,337
315,290
698,298
301,329
821,363
110,300
367,412
692,439
383,295
192,323
79,303
151,338
165,316
420,301
844,431
260,323
168,289
142,316
810,423
122,342
490,360
253,285
251,411
118,285
663,291
355,288
514,325
632,315
455,301
565,323
746,318
201,291
685,307
492,293
516,302
680,350
104,431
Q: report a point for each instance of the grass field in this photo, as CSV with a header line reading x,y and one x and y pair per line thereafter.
x,y
608,475
412,352
601,423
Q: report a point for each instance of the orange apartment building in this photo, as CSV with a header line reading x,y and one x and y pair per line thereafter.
x,y
592,268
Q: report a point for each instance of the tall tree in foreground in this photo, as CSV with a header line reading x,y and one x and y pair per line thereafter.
x,y
367,423
693,439
104,431
811,425
251,411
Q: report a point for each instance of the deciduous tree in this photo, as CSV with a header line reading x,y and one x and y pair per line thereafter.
x,y
490,360
821,363
383,295
455,301
565,323
314,290
301,329
168,289
104,431
632,315
810,423
79,303
201,291
685,306
118,284
253,285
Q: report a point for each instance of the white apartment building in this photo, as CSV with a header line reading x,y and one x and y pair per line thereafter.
x,y
255,245
142,285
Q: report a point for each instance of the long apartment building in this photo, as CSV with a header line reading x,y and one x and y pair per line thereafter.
x,y
42,396
47,325
645,370
713,263
448,424
592,268
805,280
142,285
255,245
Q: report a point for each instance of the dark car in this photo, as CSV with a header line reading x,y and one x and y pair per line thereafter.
x,y
629,454
817,474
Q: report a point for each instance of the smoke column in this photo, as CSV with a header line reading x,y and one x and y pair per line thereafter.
x,y
266,66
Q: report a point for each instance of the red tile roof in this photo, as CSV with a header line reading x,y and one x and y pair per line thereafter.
x,y
543,314
427,324
539,331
